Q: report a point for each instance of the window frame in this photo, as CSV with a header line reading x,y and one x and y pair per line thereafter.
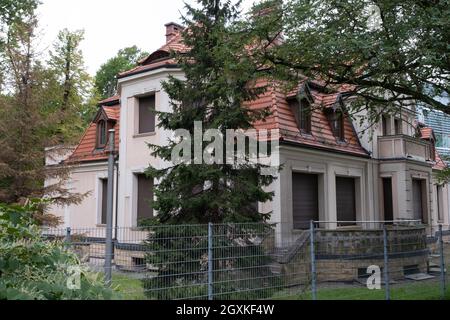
x,y
302,113
138,130
337,116
137,192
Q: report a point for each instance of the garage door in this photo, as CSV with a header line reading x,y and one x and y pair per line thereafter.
x,y
345,199
305,198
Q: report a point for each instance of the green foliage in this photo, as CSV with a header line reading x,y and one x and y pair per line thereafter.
x,y
40,107
69,88
34,269
215,91
393,52
240,262
105,78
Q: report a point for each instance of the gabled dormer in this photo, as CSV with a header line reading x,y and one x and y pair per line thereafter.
x,y
103,122
336,115
301,107
93,144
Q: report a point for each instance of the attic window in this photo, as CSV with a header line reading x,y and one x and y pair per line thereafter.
x,y
101,134
336,120
301,108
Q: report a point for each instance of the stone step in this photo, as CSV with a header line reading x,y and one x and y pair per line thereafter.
x,y
419,276
275,268
436,270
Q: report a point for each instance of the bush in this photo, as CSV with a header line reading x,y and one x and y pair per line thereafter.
x,y
34,269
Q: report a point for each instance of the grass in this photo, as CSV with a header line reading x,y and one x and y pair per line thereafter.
x,y
405,291
128,287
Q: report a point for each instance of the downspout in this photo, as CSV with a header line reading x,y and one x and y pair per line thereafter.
x,y
117,199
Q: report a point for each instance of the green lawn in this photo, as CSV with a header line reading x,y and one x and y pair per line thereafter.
x,y
405,291
129,288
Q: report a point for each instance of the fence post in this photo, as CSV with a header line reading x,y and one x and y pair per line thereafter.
x,y
313,262
386,263
109,209
68,235
442,261
210,262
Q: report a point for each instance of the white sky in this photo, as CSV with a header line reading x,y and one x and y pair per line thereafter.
x,y
110,25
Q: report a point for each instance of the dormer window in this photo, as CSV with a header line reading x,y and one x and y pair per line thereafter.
x,y
336,117
301,108
336,120
101,134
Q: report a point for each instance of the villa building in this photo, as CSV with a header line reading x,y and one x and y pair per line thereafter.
x,y
334,169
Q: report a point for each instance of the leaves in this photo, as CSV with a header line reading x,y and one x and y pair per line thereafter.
x,y
105,78
393,53
32,268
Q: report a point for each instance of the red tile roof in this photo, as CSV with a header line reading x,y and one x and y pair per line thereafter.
x,y
439,163
321,135
282,117
86,149
160,58
109,100
426,133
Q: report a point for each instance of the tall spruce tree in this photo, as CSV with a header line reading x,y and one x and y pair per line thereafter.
x,y
218,84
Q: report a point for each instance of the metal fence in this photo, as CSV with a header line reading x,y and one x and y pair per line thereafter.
x,y
330,260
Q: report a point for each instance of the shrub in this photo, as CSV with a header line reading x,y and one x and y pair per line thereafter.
x,y
32,268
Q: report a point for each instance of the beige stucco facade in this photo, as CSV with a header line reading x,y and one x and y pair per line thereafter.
x,y
84,179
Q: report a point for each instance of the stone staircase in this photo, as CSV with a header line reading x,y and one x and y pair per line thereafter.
x,y
284,257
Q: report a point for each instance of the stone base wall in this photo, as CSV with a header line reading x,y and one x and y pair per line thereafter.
x,y
124,259
345,255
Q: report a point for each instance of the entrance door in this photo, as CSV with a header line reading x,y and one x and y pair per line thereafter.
x,y
387,196
305,199
345,200
417,199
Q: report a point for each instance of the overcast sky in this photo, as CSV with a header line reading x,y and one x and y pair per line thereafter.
x,y
110,24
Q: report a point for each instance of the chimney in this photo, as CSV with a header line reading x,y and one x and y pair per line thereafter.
x,y
172,29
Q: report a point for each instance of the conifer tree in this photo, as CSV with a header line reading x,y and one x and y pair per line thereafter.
x,y
219,82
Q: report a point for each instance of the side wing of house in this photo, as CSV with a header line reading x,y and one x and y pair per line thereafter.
x,y
88,170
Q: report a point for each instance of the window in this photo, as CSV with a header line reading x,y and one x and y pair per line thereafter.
x,y
104,197
439,205
144,197
336,119
398,126
346,200
302,113
101,134
305,199
146,114
386,126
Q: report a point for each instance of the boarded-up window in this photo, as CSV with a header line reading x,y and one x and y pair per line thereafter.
x,y
145,197
104,192
305,199
346,200
147,114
